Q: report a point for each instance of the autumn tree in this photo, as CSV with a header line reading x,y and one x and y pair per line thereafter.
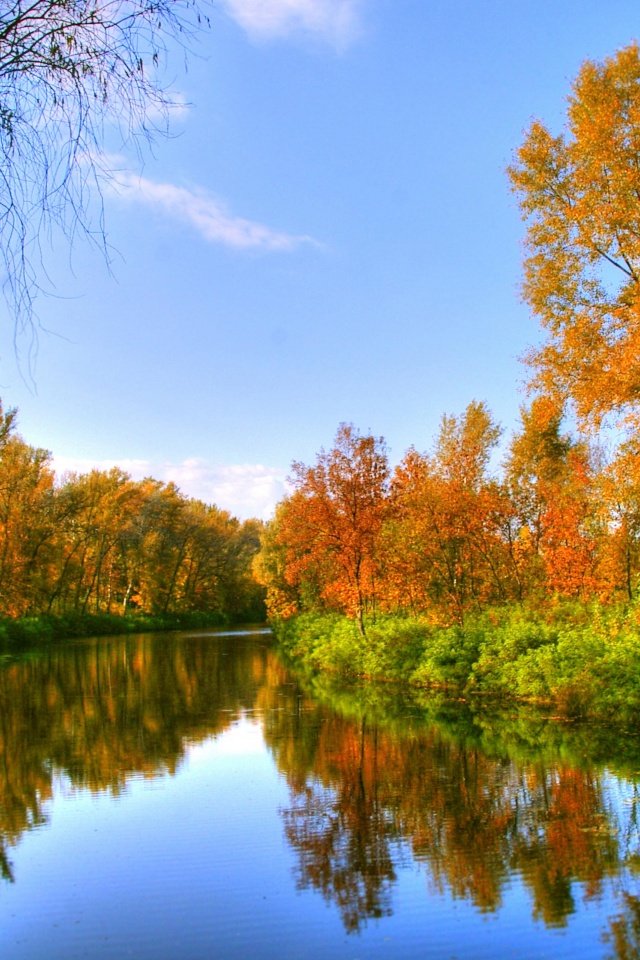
x,y
579,194
271,565
552,528
617,507
90,510
101,542
330,527
446,552
26,487
7,423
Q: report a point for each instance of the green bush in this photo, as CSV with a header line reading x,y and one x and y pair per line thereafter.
x,y
585,660
393,647
389,651
505,652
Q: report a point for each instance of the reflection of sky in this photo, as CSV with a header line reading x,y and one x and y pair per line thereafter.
x,y
177,861
196,866
623,803
245,736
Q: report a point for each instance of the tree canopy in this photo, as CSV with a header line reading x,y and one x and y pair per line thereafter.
x,y
579,193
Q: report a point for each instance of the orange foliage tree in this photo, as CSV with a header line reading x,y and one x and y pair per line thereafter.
x,y
329,528
550,480
446,551
618,507
103,543
578,193
26,489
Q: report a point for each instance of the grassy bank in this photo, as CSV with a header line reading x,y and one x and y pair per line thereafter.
x,y
583,660
28,631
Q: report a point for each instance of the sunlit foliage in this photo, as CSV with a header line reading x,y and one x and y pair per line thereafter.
x,y
101,543
328,530
578,193
559,519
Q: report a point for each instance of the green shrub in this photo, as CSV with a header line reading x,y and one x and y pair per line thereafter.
x,y
585,660
506,651
448,657
390,649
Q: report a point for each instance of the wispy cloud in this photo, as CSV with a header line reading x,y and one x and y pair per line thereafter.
x,y
336,22
135,468
206,214
245,490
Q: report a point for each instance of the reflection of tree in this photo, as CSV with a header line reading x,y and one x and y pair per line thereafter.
x,y
364,795
548,824
6,867
344,840
459,795
579,840
360,795
103,713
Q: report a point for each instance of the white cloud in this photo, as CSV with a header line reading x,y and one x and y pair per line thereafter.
x,y
245,490
206,214
336,22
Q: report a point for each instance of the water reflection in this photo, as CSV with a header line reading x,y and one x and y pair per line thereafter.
x,y
478,800
472,820
347,840
101,713
624,929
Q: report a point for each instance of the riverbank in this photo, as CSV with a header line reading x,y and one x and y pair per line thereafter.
x,y
585,660
28,631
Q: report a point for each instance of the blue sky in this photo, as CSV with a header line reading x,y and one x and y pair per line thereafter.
x,y
328,235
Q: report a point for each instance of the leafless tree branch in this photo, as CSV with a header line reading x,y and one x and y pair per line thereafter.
x,y
70,71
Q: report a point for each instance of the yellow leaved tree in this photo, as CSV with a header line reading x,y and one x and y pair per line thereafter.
x,y
579,193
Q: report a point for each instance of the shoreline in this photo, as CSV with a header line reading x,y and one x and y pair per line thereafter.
x,y
582,662
34,631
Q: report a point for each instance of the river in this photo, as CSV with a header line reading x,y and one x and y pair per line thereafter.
x,y
186,796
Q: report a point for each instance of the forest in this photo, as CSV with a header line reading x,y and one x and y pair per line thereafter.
x,y
100,544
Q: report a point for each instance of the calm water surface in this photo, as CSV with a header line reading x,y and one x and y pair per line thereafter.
x,y
185,796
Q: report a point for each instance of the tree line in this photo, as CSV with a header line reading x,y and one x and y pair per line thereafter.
x,y
446,533
101,542
443,535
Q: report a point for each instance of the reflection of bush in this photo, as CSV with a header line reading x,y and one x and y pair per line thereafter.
x,y
375,777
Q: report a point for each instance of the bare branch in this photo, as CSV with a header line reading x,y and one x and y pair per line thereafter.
x,y
69,71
